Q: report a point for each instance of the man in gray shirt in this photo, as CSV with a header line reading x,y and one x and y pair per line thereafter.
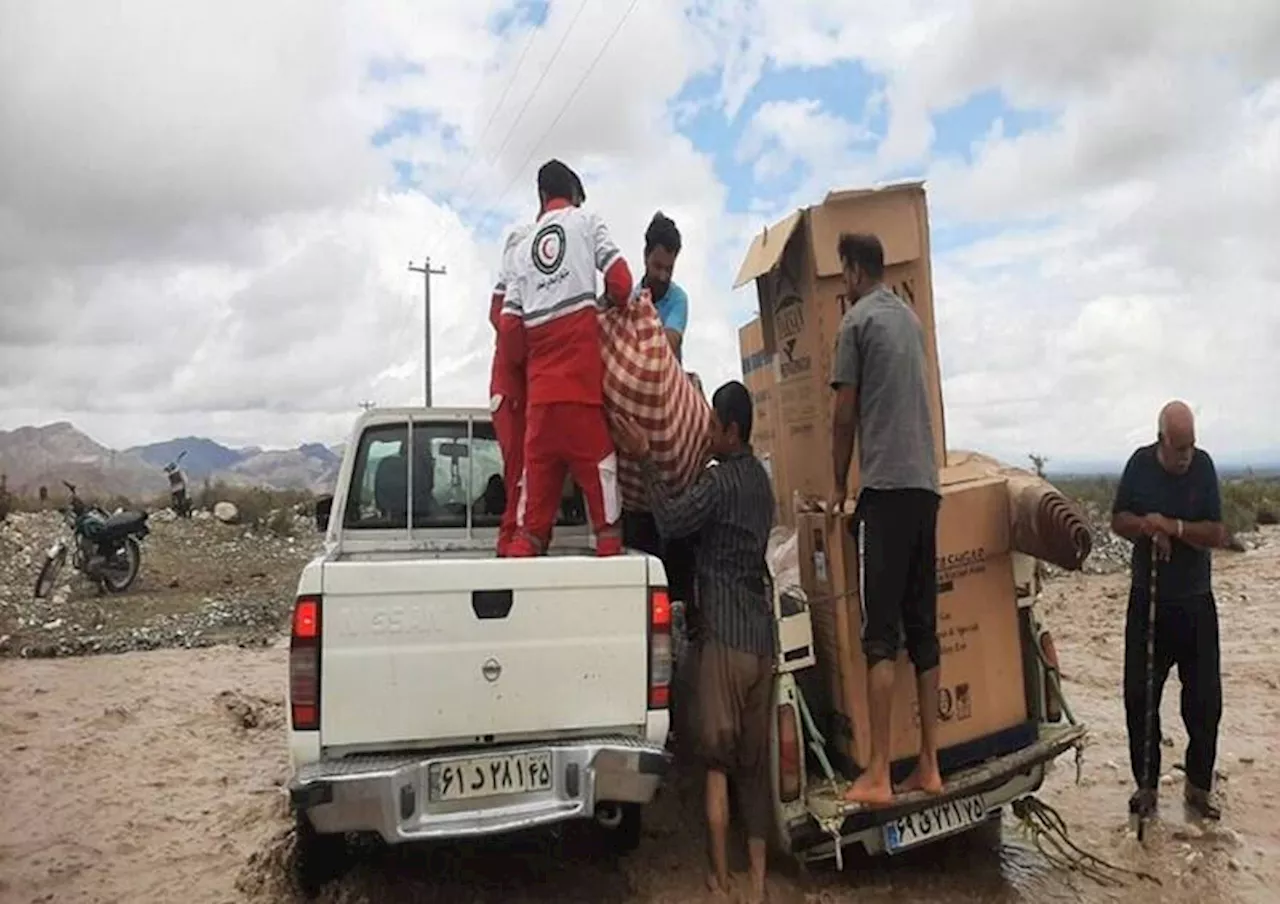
x,y
882,397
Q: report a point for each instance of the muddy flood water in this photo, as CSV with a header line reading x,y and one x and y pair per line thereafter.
x,y
156,777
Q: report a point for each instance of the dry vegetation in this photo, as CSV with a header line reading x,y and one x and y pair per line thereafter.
x,y
260,509
1248,502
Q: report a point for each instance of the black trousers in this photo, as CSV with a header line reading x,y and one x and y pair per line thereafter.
x,y
899,575
639,531
1186,636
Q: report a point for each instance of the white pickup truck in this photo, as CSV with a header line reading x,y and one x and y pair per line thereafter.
x,y
436,691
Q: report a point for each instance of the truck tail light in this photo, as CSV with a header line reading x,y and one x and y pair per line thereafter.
x,y
659,648
1052,706
304,664
788,754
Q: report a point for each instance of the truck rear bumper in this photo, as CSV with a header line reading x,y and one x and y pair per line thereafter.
x,y
991,785
392,796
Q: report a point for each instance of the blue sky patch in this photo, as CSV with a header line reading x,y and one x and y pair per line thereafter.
x,y
957,129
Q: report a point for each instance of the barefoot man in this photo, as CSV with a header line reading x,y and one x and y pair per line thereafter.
x,y
882,397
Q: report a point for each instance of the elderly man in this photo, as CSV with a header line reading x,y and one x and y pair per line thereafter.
x,y
1168,501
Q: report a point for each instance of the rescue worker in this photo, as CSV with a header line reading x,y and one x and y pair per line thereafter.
x,y
549,313
507,385
731,507
1169,499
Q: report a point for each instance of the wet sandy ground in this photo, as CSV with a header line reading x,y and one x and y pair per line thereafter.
x,y
155,777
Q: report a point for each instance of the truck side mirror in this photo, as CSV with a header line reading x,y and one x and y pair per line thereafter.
x,y
324,505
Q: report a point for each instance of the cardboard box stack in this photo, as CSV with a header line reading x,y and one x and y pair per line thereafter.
x,y
801,294
759,374
981,694
786,356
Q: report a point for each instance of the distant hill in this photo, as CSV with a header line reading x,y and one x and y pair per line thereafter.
x,y
204,457
45,456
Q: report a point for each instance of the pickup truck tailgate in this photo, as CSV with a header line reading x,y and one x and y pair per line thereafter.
x,y
446,650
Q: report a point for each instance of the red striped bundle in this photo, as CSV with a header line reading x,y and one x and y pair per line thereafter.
x,y
644,381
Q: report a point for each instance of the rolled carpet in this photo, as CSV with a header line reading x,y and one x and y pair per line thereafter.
x,y
644,381
1043,522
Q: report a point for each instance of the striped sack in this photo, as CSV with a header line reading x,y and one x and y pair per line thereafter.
x,y
644,381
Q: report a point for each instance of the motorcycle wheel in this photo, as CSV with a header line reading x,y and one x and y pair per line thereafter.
x,y
117,578
49,573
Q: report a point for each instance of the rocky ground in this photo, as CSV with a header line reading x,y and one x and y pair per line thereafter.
x,y
202,582
156,776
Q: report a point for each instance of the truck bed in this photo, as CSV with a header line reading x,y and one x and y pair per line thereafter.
x,y
426,649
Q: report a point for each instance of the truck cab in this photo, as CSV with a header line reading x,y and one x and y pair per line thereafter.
x,y
436,691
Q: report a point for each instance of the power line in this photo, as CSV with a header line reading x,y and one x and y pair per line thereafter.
x,y
546,69
565,107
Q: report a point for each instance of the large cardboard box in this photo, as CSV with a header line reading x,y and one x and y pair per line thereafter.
x,y
981,689
801,295
759,374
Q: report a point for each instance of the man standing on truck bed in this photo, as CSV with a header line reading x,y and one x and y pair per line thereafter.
x,y
507,385
551,303
730,508
882,394
1169,499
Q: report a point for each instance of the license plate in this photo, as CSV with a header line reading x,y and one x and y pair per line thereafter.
x,y
489,776
934,822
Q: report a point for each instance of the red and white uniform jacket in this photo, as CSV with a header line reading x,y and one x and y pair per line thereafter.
x,y
506,379
551,298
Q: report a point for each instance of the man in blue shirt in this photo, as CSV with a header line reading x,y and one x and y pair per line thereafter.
x,y
1169,505
661,248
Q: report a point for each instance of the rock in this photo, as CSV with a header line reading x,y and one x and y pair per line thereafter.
x,y
226,512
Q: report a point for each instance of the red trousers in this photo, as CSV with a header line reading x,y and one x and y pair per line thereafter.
x,y
567,437
508,425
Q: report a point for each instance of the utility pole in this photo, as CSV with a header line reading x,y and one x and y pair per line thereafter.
x,y
427,273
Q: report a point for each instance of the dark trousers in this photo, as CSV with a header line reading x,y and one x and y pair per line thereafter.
x,y
899,575
1186,636
640,531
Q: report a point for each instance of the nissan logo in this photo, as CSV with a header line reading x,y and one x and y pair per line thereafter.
x,y
491,670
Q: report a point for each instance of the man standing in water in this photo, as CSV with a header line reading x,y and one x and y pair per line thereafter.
x,y
882,397
730,506
1168,500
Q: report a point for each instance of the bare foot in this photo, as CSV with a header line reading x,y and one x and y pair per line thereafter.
x,y
924,778
870,790
716,890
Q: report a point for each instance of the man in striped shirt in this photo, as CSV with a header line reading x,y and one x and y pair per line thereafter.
x,y
730,508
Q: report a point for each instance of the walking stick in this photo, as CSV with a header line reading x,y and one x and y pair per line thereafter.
x,y
1146,796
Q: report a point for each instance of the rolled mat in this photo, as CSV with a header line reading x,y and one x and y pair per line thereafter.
x,y
644,381
1043,522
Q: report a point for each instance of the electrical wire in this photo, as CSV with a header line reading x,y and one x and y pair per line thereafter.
x,y
519,171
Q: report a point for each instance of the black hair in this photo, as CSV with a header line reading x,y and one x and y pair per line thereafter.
x,y
864,250
577,187
662,231
732,405
556,180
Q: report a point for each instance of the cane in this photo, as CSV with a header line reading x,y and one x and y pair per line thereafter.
x,y
1146,797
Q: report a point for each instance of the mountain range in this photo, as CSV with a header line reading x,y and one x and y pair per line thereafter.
x,y
32,457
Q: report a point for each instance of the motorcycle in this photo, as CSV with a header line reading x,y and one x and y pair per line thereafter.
x,y
104,548
180,502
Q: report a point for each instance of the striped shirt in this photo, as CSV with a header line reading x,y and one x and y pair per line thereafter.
x,y
730,508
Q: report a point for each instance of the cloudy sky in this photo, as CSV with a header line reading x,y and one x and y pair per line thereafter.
x,y
207,208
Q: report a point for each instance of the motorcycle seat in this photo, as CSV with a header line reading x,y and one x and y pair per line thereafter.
x,y
125,522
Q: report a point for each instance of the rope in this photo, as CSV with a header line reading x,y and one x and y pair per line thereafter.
x,y
1052,839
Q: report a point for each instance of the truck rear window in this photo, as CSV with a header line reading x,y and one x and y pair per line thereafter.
x,y
453,475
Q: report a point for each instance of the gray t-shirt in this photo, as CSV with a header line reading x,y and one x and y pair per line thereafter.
x,y
880,352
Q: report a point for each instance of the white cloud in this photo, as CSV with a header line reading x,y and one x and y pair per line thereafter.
x,y
197,234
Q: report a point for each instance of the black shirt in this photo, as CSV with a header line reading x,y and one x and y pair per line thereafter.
x,y
730,508
1146,487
